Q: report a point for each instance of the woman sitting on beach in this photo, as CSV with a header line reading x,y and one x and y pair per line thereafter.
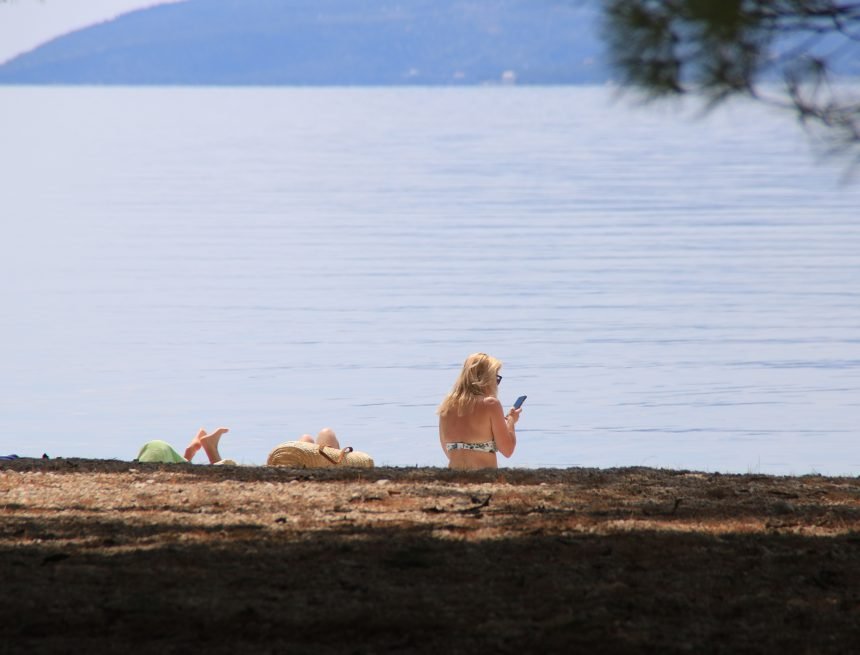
x,y
161,451
472,424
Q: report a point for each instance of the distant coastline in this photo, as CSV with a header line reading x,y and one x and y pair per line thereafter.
x,y
266,43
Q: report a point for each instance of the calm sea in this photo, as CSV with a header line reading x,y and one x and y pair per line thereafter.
x,y
669,290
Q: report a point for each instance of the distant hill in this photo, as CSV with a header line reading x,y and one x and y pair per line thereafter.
x,y
327,42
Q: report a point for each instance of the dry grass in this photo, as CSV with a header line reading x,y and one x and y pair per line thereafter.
x,y
117,556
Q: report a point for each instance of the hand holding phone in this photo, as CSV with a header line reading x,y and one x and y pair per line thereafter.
x,y
514,414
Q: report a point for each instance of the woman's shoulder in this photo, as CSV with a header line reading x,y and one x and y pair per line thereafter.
x,y
490,402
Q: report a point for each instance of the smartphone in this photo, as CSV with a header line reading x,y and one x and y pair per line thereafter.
x,y
519,402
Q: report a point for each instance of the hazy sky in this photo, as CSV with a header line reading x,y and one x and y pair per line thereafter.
x,y
25,24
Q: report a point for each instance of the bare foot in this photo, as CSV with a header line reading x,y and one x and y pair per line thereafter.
x,y
210,444
195,444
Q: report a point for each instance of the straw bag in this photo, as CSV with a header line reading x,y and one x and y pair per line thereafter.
x,y
300,454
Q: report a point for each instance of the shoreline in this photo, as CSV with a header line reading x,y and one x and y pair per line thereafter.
x,y
105,554
92,464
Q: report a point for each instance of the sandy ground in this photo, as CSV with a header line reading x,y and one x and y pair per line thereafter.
x,y
106,556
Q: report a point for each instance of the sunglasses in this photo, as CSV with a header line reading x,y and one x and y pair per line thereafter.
x,y
498,379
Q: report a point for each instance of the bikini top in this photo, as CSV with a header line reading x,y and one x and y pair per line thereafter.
x,y
483,446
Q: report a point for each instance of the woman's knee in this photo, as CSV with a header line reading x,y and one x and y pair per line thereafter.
x,y
327,437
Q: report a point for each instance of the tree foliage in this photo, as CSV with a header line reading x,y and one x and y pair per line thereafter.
x,y
786,52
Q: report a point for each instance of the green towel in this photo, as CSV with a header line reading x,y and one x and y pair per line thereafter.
x,y
159,451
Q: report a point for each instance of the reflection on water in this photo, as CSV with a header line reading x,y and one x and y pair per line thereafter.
x,y
668,292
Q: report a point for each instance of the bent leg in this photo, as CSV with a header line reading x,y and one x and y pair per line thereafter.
x,y
327,437
209,442
195,444
306,438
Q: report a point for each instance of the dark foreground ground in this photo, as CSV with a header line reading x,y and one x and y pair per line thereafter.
x,y
116,557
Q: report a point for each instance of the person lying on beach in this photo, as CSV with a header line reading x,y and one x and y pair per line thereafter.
x,y
325,437
161,451
322,452
472,424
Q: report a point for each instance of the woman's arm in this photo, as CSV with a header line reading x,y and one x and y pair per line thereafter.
x,y
504,432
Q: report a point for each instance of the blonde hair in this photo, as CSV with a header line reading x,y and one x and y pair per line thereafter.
x,y
476,380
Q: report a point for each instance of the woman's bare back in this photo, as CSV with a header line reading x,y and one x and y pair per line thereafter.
x,y
474,427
